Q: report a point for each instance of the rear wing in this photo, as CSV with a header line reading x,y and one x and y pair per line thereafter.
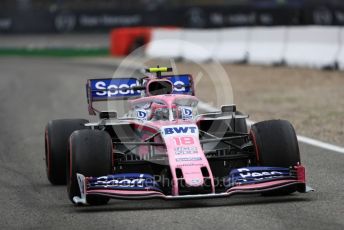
x,y
182,84
107,89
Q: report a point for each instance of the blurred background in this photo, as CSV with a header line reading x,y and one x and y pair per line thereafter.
x,y
61,16
276,59
287,44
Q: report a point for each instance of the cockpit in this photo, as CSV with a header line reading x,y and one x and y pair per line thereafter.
x,y
165,108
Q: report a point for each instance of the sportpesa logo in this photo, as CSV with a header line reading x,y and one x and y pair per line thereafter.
x,y
125,87
116,88
120,182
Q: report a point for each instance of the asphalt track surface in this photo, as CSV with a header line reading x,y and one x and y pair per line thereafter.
x,y
33,91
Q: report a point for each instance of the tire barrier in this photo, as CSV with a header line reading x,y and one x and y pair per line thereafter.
x,y
312,46
233,45
267,45
165,43
320,47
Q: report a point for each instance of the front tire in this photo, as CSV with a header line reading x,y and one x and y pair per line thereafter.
x,y
90,154
276,145
57,133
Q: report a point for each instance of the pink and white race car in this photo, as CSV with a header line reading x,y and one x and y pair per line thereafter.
x,y
163,147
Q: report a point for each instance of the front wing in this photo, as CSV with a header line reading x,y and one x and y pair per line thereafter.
x,y
140,188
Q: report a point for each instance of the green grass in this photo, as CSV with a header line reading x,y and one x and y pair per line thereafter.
x,y
54,52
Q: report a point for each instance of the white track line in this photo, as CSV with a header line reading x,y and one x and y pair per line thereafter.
x,y
320,144
301,139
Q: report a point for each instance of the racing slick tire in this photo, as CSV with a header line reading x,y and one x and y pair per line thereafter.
x,y
276,145
90,154
57,133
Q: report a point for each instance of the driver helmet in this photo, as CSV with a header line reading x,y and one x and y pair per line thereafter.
x,y
159,111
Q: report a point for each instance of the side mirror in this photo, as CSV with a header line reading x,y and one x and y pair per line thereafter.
x,y
228,108
108,115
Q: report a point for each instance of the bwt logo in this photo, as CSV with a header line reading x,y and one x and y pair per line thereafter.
x,y
116,90
180,130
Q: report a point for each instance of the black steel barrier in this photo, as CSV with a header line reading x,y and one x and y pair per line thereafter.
x,y
39,21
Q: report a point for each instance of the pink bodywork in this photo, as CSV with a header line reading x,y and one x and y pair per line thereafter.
x,y
190,164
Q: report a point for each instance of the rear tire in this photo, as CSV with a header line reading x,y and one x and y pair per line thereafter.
x,y
90,155
57,133
276,145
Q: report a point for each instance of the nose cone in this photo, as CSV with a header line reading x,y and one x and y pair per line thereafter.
x,y
193,177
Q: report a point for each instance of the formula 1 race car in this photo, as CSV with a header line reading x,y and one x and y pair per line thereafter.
x,y
163,148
